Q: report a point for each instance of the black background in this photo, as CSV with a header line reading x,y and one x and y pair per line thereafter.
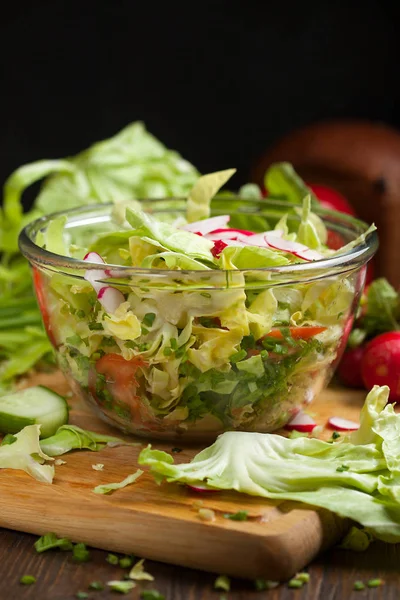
x,y
218,81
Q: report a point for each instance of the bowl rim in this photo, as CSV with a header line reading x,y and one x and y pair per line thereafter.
x,y
354,258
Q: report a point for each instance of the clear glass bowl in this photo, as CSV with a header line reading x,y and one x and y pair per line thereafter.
x,y
187,374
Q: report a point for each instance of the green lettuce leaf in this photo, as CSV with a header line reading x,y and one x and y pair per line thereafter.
x,y
170,238
204,190
108,488
26,454
382,308
281,180
307,233
70,437
307,470
250,257
172,260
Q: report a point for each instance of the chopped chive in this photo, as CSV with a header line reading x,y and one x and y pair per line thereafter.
x,y
248,342
96,585
374,583
8,439
80,553
167,351
180,352
112,559
342,468
358,586
241,515
125,562
238,356
95,326
144,330
27,580
174,343
205,294
295,583
264,354
148,319
82,595
80,314
335,435
222,583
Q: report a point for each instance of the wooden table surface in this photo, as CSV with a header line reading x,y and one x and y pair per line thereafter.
x,y
331,576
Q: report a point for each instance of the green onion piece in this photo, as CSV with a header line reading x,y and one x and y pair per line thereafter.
x,y
151,595
238,356
95,326
148,319
123,587
125,562
335,435
112,559
241,515
96,585
27,579
342,468
174,344
167,351
80,314
358,586
295,583
373,583
82,595
222,583
80,553
49,541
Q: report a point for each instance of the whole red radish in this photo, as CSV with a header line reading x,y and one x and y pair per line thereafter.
x,y
349,369
332,199
381,363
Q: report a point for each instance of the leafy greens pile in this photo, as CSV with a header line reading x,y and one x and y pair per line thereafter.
x,y
357,477
129,165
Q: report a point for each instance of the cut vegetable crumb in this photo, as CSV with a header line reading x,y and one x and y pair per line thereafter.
x,y
303,576
222,583
151,595
293,435
80,553
358,586
125,562
374,583
335,435
82,595
139,574
59,461
112,559
241,515
206,514
98,467
357,540
342,469
295,583
123,587
49,541
176,450
265,584
198,504
316,432
108,488
27,580
96,585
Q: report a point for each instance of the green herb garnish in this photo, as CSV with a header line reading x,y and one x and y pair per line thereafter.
x,y
241,515
95,326
342,468
148,319
238,356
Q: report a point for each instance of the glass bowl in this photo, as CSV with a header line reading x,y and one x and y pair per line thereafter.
x,y
215,350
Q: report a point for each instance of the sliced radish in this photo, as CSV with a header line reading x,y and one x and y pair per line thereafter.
x,y
234,232
207,225
294,248
93,275
216,250
200,488
224,235
343,424
301,422
110,298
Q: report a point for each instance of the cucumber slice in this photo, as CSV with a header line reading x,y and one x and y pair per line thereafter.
x,y
34,406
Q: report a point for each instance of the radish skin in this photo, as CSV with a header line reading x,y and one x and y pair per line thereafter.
x,y
340,424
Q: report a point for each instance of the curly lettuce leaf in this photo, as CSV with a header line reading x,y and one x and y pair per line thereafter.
x,y
307,232
26,454
168,237
203,191
281,180
382,308
250,257
307,470
71,437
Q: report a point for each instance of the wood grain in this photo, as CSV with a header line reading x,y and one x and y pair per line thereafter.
x,y
160,522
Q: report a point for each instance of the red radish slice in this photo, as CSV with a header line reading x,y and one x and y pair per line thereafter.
x,y
93,275
294,248
216,250
207,225
200,488
301,422
232,231
110,298
343,424
222,235
258,239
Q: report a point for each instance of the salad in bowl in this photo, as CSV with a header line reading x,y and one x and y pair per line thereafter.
x,y
182,318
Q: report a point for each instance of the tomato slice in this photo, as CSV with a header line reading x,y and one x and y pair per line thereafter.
x,y
41,298
297,333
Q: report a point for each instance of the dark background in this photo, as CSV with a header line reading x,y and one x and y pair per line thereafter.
x,y
218,81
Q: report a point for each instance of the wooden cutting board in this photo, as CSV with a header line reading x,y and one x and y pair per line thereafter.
x,y
162,522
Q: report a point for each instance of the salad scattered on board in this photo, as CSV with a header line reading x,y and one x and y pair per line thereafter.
x,y
357,476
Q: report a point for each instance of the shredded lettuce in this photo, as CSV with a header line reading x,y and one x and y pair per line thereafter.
x,y
203,191
308,470
71,437
108,488
26,454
